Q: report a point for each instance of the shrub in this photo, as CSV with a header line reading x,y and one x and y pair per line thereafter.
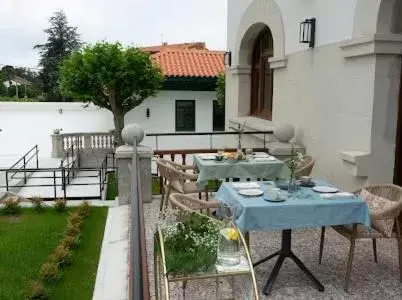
x,y
36,291
38,204
84,210
73,230
70,242
60,205
61,255
50,272
11,206
75,219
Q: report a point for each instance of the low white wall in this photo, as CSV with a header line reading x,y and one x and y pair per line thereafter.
x,y
24,125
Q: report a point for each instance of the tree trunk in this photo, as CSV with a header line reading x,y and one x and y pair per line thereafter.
x,y
118,116
119,125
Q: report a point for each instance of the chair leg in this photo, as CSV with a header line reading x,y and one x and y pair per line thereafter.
x,y
166,200
321,244
398,231
400,258
375,250
162,199
350,259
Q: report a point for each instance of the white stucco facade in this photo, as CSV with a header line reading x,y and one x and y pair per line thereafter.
x,y
341,96
26,124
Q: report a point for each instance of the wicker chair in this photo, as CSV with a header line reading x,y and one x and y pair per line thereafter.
x,y
177,180
190,203
360,232
304,168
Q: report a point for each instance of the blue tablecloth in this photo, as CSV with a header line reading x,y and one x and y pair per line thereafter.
x,y
303,209
252,168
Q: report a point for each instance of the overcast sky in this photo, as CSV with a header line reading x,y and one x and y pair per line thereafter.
x,y
131,22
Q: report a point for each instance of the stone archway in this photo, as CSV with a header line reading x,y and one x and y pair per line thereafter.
x,y
377,17
259,14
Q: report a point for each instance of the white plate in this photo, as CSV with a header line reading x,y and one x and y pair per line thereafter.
x,y
245,185
207,156
251,192
325,189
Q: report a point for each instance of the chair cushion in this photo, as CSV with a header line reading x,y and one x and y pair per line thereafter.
x,y
377,205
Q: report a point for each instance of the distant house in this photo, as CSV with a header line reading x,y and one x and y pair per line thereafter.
x,y
187,99
17,81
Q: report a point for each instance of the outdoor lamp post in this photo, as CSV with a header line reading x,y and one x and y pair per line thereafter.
x,y
307,32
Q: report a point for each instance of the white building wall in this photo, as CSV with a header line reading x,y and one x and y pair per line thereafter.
x,y
334,20
162,118
341,95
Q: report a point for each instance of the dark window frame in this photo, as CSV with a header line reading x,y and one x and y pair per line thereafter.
x,y
183,127
262,50
218,112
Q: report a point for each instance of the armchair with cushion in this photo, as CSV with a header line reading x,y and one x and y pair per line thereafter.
x,y
385,204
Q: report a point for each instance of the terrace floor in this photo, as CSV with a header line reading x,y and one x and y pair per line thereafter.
x,y
369,280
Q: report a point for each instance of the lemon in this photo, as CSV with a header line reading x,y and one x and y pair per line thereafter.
x,y
233,234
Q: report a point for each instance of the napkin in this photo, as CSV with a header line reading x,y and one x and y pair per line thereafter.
x,y
261,155
337,195
264,158
245,185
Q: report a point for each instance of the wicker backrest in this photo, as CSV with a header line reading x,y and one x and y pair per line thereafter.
x,y
190,203
305,167
391,192
170,172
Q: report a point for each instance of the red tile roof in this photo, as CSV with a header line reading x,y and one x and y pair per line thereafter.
x,y
166,46
190,63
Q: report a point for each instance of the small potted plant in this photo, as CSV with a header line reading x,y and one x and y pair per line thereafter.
x,y
293,162
190,241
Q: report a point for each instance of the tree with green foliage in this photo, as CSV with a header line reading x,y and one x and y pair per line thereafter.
x,y
111,77
3,89
220,89
62,40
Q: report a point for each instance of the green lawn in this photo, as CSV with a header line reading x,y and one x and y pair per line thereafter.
x,y
112,188
79,279
27,241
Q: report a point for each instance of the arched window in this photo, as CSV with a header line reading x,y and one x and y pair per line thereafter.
x,y
262,76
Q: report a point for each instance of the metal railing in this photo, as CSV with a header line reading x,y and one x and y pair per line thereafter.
x,y
138,276
24,160
60,177
210,134
71,160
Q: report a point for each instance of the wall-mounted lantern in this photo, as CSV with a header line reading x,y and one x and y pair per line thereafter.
x,y
148,113
228,59
307,32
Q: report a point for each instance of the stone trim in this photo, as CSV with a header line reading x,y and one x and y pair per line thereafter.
x,y
278,62
240,70
371,45
358,162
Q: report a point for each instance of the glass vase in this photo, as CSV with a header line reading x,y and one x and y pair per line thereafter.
x,y
228,252
292,188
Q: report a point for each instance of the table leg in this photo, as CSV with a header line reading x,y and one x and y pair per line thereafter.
x,y
284,252
247,238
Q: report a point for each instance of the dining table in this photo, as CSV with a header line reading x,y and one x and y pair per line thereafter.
x,y
258,165
304,208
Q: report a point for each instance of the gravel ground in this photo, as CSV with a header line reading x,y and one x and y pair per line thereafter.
x,y
369,280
